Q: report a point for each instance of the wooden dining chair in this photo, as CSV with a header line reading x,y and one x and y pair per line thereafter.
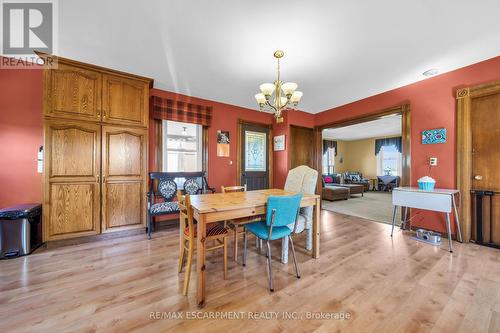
x,y
235,225
215,232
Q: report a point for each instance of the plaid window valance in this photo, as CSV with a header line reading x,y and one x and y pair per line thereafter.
x,y
169,109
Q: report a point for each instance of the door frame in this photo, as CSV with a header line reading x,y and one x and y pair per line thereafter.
x,y
403,110
242,122
464,98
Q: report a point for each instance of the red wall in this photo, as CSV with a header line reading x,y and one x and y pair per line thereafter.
x,y
224,117
432,104
20,135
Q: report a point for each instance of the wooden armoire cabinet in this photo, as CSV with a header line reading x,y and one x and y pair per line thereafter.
x,y
95,143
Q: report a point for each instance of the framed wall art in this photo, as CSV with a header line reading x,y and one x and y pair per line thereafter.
x,y
279,142
432,136
222,143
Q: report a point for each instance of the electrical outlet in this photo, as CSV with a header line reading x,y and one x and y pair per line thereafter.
x,y
433,161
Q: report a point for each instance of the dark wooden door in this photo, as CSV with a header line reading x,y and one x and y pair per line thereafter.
x,y
485,125
301,146
254,156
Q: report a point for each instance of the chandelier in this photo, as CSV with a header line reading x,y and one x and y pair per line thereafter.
x,y
285,94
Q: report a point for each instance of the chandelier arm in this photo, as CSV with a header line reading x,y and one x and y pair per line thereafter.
x,y
271,106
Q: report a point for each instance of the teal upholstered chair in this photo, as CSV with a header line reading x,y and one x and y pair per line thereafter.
x,y
281,211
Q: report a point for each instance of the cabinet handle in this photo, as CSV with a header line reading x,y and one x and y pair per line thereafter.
x,y
98,178
103,179
98,114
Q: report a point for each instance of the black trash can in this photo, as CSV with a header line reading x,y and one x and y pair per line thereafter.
x,y
20,230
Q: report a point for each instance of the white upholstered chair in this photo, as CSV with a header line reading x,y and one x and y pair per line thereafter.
x,y
301,179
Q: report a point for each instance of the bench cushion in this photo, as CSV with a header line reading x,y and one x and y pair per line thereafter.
x,y
164,207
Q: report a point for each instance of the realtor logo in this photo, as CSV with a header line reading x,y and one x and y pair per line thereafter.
x,y
26,27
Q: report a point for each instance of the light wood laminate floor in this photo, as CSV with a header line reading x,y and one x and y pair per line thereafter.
x,y
385,285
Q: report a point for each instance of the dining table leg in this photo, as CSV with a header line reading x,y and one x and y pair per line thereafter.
x,y
316,227
200,260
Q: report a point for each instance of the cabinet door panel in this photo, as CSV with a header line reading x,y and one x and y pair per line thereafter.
x,y
126,151
123,204
74,209
125,101
71,187
73,151
124,177
73,93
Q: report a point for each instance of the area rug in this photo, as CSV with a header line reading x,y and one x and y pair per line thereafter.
x,y
376,206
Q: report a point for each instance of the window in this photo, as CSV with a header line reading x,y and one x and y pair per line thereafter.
x,y
389,161
182,147
255,151
329,161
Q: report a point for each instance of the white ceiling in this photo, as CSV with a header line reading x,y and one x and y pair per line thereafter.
x,y
337,51
382,127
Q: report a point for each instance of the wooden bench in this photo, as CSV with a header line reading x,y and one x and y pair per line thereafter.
x,y
164,186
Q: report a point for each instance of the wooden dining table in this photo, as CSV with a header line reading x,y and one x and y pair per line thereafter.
x,y
210,208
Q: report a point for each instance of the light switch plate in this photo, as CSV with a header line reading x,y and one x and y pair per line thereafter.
x,y
433,161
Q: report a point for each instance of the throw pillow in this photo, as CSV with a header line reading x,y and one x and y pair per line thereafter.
x,y
328,179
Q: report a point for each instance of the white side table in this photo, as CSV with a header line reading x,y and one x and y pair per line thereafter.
x,y
438,200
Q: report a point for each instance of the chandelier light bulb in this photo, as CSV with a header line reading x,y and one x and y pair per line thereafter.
x,y
296,96
289,88
267,89
261,99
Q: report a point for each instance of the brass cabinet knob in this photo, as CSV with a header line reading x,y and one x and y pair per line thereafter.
x,y
478,177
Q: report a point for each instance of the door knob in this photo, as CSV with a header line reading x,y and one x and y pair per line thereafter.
x,y
478,177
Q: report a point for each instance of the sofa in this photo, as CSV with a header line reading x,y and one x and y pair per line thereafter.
x,y
332,193
334,178
356,177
